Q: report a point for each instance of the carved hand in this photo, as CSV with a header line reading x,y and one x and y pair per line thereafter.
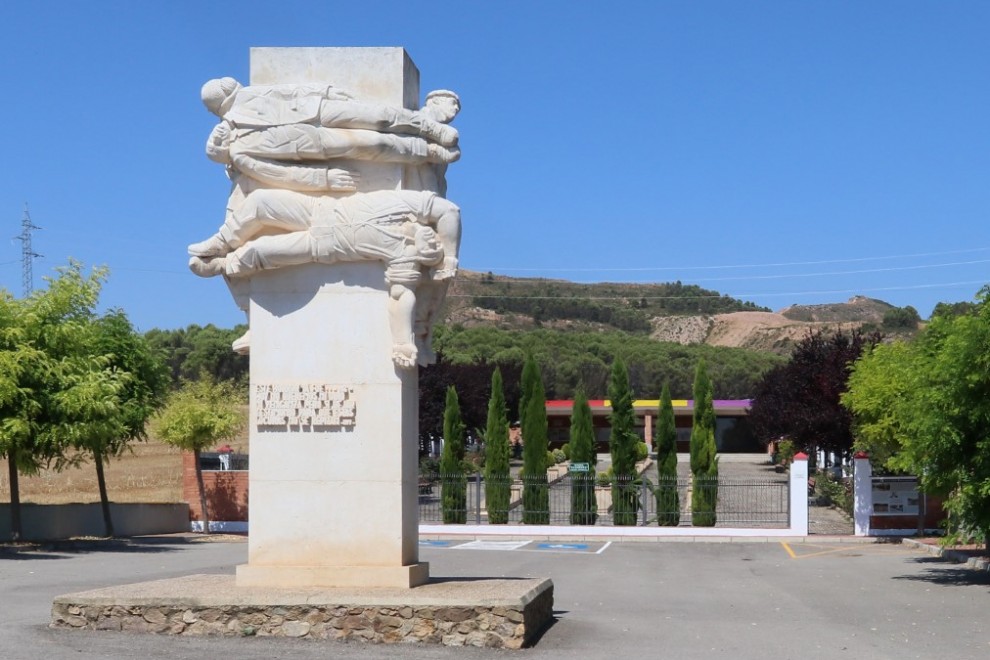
x,y
342,180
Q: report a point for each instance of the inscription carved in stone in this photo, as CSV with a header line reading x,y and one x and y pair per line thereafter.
x,y
304,405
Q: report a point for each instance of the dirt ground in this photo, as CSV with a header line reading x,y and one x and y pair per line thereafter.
x,y
152,472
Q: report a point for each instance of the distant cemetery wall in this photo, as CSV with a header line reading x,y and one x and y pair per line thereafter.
x,y
53,522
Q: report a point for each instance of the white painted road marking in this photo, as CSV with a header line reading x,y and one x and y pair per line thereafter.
x,y
491,545
592,548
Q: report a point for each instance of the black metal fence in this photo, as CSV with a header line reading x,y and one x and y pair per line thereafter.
x,y
584,499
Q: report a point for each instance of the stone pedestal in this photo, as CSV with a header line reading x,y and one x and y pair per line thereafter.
x,y
492,613
333,496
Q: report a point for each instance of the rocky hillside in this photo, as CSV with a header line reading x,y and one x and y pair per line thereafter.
x,y
679,313
776,332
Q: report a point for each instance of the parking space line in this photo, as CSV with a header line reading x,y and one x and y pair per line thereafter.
x,y
860,549
530,545
491,545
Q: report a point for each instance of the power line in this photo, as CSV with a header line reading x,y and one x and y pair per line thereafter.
x,y
842,272
722,295
727,267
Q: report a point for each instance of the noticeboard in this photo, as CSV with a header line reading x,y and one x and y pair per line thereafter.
x,y
580,467
896,497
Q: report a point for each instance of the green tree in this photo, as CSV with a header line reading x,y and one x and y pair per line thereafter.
x,y
622,444
536,491
497,450
925,407
955,309
116,410
453,481
199,415
898,318
668,501
584,507
704,461
569,359
880,390
48,374
194,350
531,378
210,352
472,382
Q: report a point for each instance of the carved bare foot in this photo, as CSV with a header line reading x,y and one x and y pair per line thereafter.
x,y
214,246
404,355
207,267
448,270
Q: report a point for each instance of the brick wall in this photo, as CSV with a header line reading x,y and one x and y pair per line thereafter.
x,y
934,517
226,492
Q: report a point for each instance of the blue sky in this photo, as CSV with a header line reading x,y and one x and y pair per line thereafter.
x,y
780,152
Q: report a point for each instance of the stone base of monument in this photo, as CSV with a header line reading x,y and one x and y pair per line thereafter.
x,y
482,612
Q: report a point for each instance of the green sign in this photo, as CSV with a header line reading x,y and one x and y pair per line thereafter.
x,y
580,467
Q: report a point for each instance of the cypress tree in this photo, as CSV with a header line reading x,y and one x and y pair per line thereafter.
x,y
584,508
528,380
453,481
622,444
668,502
704,462
497,481
536,493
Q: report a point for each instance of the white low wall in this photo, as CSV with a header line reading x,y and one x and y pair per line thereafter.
x,y
52,522
797,528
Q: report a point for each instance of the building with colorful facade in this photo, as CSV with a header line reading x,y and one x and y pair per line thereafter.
x,y
732,430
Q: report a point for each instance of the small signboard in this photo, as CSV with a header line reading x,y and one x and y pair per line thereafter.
x,y
894,496
580,467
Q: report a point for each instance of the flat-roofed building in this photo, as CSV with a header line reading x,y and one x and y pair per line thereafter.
x,y
732,430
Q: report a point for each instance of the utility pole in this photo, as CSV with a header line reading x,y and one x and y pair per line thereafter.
x,y
27,253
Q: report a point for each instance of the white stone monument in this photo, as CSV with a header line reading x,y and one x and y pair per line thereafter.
x,y
339,245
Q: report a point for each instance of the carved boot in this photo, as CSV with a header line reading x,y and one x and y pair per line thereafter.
x,y
214,246
436,132
437,154
207,267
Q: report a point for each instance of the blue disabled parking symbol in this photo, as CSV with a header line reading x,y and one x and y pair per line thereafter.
x,y
562,546
434,544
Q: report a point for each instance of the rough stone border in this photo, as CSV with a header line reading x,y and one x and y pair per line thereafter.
x,y
443,615
975,563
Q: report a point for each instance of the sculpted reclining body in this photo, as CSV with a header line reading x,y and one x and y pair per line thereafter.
x,y
290,206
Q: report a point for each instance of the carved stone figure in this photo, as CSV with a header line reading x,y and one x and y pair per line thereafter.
x,y
289,205
303,142
415,233
261,106
443,106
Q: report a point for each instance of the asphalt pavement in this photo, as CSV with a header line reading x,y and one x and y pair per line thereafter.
x,y
671,600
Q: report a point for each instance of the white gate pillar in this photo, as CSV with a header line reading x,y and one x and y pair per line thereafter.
x,y
862,493
799,495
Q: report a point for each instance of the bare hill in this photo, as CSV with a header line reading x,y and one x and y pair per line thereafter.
x,y
675,312
759,331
